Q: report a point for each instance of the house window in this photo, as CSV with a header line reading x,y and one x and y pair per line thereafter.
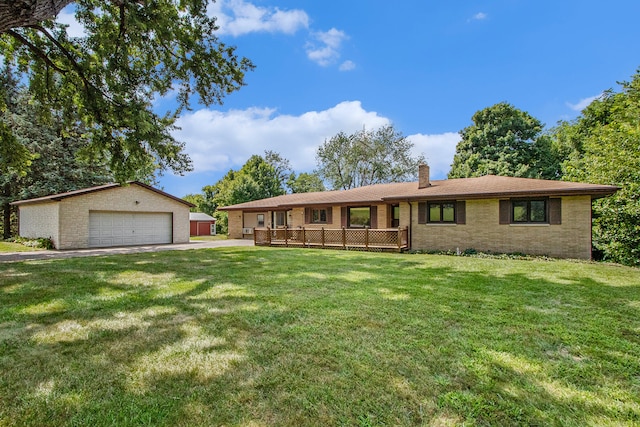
x,y
319,216
260,220
395,216
444,212
280,218
529,211
359,217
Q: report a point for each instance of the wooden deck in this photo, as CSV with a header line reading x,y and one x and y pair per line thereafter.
x,y
385,239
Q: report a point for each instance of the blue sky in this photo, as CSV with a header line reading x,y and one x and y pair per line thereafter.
x,y
424,66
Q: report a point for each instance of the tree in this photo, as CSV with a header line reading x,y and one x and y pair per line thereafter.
x,y
504,140
305,183
55,161
198,201
603,146
133,53
367,157
281,166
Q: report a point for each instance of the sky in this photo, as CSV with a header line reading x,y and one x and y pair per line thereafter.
x,y
423,66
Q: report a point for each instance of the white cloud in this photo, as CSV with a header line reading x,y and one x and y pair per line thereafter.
x,y
237,17
325,50
67,17
438,149
347,66
480,16
218,141
583,103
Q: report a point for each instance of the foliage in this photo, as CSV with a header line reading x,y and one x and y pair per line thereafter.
x,y
367,157
133,53
603,146
293,337
198,201
305,183
37,243
55,151
504,140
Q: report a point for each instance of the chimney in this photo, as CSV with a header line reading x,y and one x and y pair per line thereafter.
x,y
423,176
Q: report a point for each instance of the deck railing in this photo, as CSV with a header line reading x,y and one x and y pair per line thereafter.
x,y
376,239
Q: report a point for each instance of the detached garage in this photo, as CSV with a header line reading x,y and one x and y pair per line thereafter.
x,y
107,215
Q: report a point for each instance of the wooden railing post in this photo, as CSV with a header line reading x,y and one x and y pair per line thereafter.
x,y
399,239
304,237
344,238
366,238
286,235
269,235
322,234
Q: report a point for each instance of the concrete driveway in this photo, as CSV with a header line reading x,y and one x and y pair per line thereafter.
x,y
194,244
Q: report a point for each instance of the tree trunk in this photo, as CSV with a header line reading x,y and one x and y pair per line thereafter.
x,y
6,210
21,13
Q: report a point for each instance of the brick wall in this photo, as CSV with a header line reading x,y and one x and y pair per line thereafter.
x,y
73,213
234,224
482,231
39,220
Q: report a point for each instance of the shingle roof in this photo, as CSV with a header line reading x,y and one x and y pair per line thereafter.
x,y
489,186
61,196
200,216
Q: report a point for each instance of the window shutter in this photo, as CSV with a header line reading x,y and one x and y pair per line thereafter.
x,y
374,216
422,212
329,215
461,212
505,211
343,216
307,215
555,211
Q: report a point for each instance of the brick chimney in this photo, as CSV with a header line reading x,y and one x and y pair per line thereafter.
x,y
423,176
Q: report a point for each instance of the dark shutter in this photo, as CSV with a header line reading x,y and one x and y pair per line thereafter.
x,y
555,211
343,216
307,215
422,212
373,212
505,211
461,212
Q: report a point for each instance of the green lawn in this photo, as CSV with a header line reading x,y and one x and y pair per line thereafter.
x,y
16,247
264,336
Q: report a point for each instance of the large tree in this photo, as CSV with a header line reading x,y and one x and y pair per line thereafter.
x,y
367,157
54,152
504,140
603,146
134,52
305,183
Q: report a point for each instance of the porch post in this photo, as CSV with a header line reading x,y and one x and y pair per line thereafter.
x,y
322,234
344,238
366,238
286,240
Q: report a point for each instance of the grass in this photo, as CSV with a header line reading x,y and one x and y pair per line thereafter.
x,y
215,237
264,336
16,247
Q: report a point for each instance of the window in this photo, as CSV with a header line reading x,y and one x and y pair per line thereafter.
x,y
529,211
359,217
260,220
395,216
281,218
444,212
319,216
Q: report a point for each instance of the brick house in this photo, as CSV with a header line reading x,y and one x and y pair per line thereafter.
x,y
489,213
106,215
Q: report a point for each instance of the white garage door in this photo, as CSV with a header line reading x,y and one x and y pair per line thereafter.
x,y
127,228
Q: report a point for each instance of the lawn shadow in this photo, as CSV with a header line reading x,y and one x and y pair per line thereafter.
x,y
290,337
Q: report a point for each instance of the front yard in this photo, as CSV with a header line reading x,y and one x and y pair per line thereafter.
x,y
264,336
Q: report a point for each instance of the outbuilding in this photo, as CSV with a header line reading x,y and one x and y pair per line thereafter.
x,y
201,224
106,215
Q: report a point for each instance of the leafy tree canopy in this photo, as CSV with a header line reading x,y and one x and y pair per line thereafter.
x,y
367,157
603,146
504,140
305,183
133,53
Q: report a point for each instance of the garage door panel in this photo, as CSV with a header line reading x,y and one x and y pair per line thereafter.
x,y
129,228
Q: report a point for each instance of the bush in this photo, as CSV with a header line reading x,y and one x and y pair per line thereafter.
x,y
38,243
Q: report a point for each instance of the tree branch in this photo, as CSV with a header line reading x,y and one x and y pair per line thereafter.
x,y
37,51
